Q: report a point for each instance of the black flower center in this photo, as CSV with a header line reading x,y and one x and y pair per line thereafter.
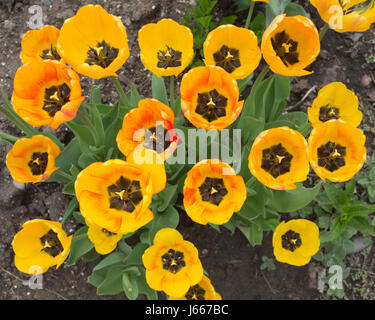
x,y
50,54
291,240
211,105
285,48
213,190
328,112
195,293
331,156
169,58
102,55
51,243
38,163
157,139
173,261
227,58
55,97
108,233
276,160
125,194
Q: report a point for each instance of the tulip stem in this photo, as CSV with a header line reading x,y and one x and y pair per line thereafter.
x,y
8,138
120,91
323,31
250,14
260,77
171,93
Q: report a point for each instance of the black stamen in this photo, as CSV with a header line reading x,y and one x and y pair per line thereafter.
x,y
285,48
38,163
195,293
227,58
157,139
331,156
291,240
51,243
169,58
173,261
55,97
125,194
328,112
211,105
102,55
276,160
213,190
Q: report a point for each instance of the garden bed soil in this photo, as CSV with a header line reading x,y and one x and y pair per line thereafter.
x,y
233,265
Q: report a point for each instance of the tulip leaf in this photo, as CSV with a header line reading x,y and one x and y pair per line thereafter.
x,y
144,288
130,286
293,200
73,205
112,283
81,244
243,83
253,233
111,259
168,197
159,90
95,95
135,257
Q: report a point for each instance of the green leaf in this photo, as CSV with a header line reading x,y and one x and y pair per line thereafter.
x,y
337,227
111,259
167,196
294,9
83,134
144,288
80,246
112,283
69,189
360,209
79,218
204,21
124,247
68,156
135,257
250,127
335,195
130,286
293,200
95,95
253,233
243,83
159,90
73,205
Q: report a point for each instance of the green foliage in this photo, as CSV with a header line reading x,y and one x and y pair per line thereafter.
x,y
267,264
199,20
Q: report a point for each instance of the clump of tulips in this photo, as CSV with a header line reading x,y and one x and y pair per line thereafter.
x,y
122,169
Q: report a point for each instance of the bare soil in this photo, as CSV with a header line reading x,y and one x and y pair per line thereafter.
x,y
233,265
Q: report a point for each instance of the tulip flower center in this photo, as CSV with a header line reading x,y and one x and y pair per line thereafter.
x,y
211,105
102,55
276,160
125,194
173,261
291,240
227,58
38,163
51,243
108,233
169,58
285,48
157,139
331,156
195,293
213,190
328,112
55,97
50,54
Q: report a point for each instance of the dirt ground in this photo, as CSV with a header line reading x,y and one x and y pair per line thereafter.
x,y
233,265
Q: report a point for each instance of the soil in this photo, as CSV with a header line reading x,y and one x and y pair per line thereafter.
x,y
233,265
